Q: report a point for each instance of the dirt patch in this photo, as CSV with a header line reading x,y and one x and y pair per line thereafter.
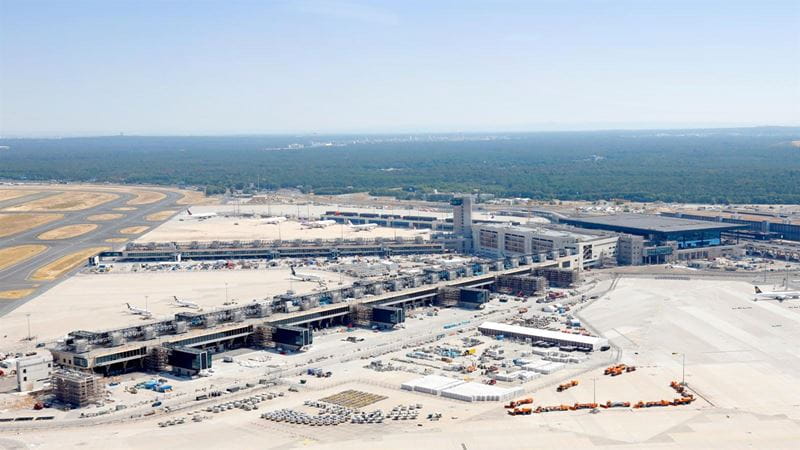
x,y
10,194
64,264
133,230
66,232
66,201
17,223
195,198
117,240
125,208
11,256
146,197
104,217
15,294
159,216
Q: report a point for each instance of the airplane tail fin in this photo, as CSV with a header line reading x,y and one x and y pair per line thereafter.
x,y
758,291
350,223
189,211
175,297
292,267
128,305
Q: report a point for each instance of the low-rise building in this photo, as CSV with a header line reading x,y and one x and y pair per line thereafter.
x,y
34,372
539,334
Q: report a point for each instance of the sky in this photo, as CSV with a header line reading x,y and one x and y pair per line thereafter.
x,y
81,67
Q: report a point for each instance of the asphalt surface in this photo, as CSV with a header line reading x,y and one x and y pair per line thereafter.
x,y
17,276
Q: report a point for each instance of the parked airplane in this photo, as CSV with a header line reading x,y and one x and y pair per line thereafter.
x,y
139,311
201,216
319,223
776,295
186,303
273,220
362,227
306,277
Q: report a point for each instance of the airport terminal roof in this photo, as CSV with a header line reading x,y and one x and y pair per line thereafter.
x,y
650,223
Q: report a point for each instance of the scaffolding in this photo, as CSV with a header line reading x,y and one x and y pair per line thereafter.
x,y
78,388
361,315
525,285
448,296
262,336
561,278
157,359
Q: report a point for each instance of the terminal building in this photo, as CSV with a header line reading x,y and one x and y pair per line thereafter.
x,y
651,239
186,342
594,248
216,250
759,226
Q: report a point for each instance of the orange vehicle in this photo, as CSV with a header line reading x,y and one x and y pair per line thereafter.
x,y
584,406
515,403
565,386
610,404
520,412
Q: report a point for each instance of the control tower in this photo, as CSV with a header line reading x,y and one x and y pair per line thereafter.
x,y
462,219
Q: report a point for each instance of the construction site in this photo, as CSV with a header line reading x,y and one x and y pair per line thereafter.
x,y
359,341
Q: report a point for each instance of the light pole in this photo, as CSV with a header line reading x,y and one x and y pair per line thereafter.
x,y
226,293
28,316
594,396
683,367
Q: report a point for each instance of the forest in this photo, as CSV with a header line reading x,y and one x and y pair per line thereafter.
x,y
744,165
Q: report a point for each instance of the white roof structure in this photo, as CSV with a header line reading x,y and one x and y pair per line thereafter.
x,y
431,384
479,392
539,333
549,368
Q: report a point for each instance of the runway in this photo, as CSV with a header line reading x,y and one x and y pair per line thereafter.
x,y
18,276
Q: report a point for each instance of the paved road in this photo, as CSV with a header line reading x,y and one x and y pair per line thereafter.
x,y
16,277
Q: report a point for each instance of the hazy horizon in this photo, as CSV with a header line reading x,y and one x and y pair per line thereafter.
x,y
710,127
90,67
